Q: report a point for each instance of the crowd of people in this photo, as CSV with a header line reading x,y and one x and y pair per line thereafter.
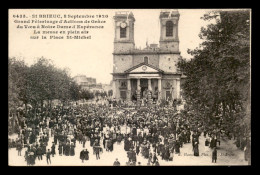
x,y
151,132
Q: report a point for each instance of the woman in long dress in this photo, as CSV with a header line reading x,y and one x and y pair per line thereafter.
x,y
60,149
196,149
72,149
167,153
67,149
145,150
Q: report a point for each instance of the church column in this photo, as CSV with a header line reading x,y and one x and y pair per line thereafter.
x,y
150,91
178,88
128,89
149,84
174,89
159,88
138,92
114,88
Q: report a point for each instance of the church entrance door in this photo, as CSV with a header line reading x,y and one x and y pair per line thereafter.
x,y
144,86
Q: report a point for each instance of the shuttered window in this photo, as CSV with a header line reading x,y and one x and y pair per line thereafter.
x,y
169,28
122,32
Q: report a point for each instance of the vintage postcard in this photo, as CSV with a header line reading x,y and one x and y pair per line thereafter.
x,y
129,87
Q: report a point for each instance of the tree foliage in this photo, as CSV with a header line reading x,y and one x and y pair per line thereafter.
x,y
218,75
39,83
87,95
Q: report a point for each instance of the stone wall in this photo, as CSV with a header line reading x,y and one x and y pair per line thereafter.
x,y
168,62
122,63
172,46
153,59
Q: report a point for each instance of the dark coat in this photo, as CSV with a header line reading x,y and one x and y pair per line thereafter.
x,y
214,154
86,156
213,143
82,155
53,149
39,151
72,150
48,154
67,150
19,146
60,149
137,149
177,147
116,163
196,149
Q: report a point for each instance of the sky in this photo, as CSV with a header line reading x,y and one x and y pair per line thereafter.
x,y
93,57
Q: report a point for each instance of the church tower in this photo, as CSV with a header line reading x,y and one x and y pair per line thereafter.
x,y
124,32
169,39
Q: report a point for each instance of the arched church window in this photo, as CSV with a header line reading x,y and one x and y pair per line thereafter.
x,y
169,28
146,60
122,32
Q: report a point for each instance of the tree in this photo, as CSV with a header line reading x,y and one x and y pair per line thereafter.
x,y
16,82
218,76
86,94
39,83
16,89
42,78
97,93
74,91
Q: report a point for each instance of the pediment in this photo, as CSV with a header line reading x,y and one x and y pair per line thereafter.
x,y
143,68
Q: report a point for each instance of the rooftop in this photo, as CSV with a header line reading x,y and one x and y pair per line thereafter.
x,y
168,13
124,14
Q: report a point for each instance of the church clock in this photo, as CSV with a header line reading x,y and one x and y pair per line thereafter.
x,y
123,25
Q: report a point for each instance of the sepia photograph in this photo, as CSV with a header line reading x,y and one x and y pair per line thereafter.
x,y
129,87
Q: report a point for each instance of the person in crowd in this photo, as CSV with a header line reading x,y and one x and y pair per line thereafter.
x,y
214,155
53,149
116,163
84,139
157,163
31,158
97,149
196,148
84,155
39,152
72,149
60,149
19,148
48,156
67,149
151,131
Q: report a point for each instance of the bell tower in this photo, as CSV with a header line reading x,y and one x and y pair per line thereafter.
x,y
169,39
124,32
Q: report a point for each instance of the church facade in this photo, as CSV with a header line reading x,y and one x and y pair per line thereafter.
x,y
152,69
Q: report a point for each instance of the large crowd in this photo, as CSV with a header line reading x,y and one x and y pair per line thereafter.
x,y
152,132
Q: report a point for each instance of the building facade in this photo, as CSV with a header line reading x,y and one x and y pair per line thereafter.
x,y
150,72
85,82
